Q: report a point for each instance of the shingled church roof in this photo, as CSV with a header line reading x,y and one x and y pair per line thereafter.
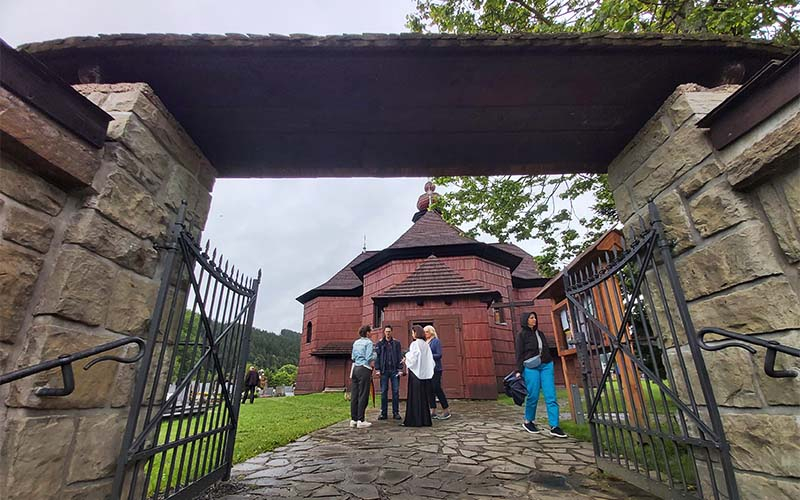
x,y
430,230
434,278
429,236
345,283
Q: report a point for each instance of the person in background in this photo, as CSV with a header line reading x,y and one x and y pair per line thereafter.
x,y
419,362
387,366
535,364
363,354
436,382
262,379
250,384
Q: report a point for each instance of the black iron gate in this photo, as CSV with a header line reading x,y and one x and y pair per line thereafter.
x,y
653,417
184,412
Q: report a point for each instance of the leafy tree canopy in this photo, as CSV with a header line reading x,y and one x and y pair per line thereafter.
x,y
530,206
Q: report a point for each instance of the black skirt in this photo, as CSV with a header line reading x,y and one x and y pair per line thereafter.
x,y
418,409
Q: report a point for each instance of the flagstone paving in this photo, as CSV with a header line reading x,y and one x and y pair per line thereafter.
x,y
480,453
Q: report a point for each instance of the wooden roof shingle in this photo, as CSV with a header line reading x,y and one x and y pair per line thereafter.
x,y
434,278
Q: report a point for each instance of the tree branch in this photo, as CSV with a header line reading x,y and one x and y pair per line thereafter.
x,y
538,14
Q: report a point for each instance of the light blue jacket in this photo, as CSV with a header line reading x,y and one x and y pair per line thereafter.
x,y
363,352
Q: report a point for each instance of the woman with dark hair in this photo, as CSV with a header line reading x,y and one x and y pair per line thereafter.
x,y
535,364
419,362
363,354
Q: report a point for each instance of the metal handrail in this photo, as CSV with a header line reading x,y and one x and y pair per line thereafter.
x,y
741,341
65,363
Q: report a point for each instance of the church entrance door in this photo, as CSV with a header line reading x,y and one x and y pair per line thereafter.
x,y
449,331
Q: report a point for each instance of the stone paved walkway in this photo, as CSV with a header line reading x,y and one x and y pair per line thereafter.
x,y
480,453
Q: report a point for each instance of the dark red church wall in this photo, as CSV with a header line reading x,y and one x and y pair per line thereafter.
x,y
477,367
333,319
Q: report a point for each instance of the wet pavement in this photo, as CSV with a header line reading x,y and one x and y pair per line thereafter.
x,y
481,452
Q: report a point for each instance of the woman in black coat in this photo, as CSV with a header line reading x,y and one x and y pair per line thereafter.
x,y
535,364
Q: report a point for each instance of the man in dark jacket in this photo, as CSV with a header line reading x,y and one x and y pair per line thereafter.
x,y
388,367
535,366
250,384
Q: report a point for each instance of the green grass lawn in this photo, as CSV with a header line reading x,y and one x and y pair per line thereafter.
x,y
263,426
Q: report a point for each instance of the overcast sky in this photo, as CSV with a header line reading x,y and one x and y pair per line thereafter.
x,y
299,232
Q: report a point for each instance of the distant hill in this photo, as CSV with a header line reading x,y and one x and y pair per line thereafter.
x,y
271,351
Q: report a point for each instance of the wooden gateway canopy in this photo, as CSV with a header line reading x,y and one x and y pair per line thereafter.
x,y
403,105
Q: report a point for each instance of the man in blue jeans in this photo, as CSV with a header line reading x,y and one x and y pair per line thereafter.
x,y
388,367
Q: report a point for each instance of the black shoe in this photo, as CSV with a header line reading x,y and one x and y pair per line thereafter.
x,y
397,416
557,432
382,417
531,427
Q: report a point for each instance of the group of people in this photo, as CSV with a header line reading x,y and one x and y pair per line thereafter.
x,y
423,363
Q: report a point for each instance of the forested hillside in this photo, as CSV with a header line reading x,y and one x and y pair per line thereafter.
x,y
271,351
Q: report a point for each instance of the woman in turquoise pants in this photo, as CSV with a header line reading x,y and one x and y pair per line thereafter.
x,y
535,364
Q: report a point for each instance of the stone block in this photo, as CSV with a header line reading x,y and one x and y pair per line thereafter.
x,y
769,305
778,151
49,338
29,188
124,385
133,298
686,148
732,387
780,391
129,130
115,154
126,202
676,221
79,287
19,271
94,232
759,487
623,203
181,185
29,229
791,189
48,145
764,442
97,444
647,140
699,177
96,490
142,101
779,214
719,207
696,103
35,451
735,258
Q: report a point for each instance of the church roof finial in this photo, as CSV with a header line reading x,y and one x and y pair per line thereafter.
x,y
425,201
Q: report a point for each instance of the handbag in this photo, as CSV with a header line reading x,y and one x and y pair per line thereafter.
x,y
535,361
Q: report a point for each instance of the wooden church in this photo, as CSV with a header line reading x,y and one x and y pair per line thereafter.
x,y
433,274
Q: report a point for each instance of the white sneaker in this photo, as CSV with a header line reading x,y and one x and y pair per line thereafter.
x,y
363,425
353,423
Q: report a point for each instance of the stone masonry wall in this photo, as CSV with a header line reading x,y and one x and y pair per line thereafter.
x,y
734,216
82,267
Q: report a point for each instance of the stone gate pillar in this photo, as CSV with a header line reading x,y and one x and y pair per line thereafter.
x,y
734,215
79,266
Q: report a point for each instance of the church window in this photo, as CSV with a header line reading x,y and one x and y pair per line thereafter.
x,y
377,315
500,316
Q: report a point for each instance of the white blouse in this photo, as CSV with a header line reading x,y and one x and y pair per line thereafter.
x,y
420,360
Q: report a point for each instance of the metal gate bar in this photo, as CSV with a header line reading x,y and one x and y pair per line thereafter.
x,y
633,331
185,406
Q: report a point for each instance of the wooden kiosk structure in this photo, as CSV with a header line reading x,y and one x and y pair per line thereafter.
x,y
564,330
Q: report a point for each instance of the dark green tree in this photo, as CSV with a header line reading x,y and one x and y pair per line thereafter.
x,y
525,207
